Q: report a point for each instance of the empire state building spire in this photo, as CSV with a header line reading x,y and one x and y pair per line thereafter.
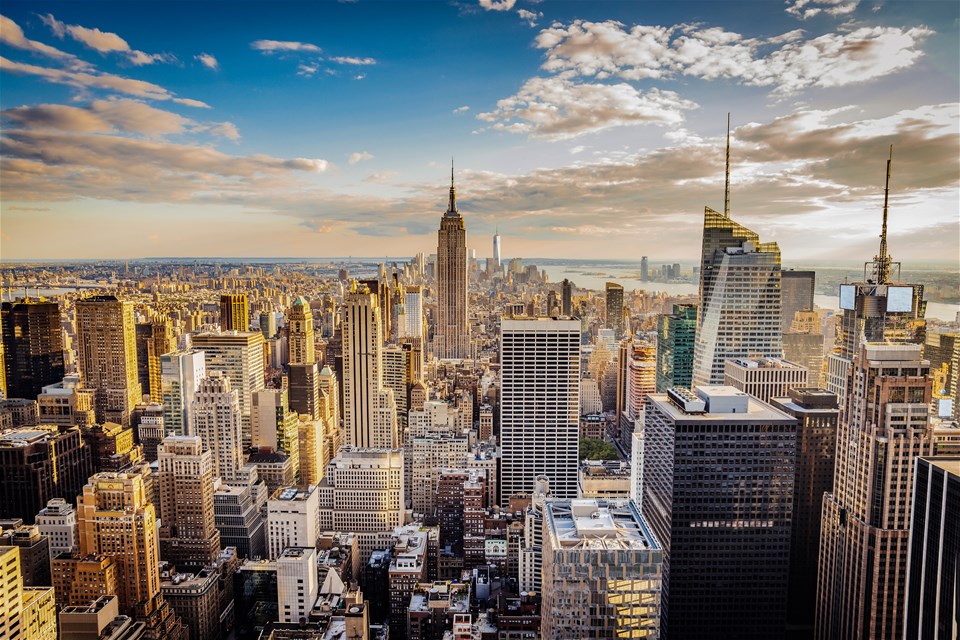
x,y
452,205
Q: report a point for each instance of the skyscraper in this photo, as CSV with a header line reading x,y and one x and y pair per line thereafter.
x,y
300,324
676,336
496,248
216,419
566,299
797,295
274,426
586,592
154,339
539,404
884,427
234,314
933,579
188,535
107,355
452,332
369,409
32,347
723,517
644,269
239,355
614,300
180,376
115,518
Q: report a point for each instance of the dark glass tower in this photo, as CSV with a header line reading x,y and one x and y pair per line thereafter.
x,y
33,346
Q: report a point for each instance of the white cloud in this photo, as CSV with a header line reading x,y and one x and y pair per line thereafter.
x,y
271,46
307,70
103,41
497,5
359,156
462,109
530,17
11,34
788,63
360,76
353,61
208,61
189,102
805,9
558,108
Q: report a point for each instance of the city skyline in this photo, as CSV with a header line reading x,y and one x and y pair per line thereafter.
x,y
579,129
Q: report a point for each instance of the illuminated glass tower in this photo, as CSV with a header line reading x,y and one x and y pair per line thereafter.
x,y
676,335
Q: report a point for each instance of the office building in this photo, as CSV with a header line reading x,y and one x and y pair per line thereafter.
x,y
797,289
885,427
676,336
363,492
79,579
300,327
58,522
238,355
154,339
614,308
195,596
293,519
531,548
722,517
274,427
112,447
817,415
107,356
413,313
66,404
932,604
602,570
180,376
739,296
115,518
452,331
238,515
188,535
25,612
216,418
99,618
806,349
32,347
369,408
539,404
303,388
764,378
34,551
566,299
268,325
38,464
496,249
297,586
234,313
398,376
644,268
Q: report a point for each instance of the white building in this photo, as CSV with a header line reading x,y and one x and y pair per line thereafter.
x,y
293,519
58,521
764,378
540,404
216,417
180,376
297,585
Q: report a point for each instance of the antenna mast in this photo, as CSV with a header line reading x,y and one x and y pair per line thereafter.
x,y
726,183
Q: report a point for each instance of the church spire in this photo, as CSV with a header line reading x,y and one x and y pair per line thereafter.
x,y
452,205
726,182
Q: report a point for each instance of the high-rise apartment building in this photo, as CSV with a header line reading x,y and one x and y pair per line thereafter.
x,y
539,404
723,516
884,427
932,605
602,571
216,417
614,308
32,347
452,331
301,338
369,408
797,289
739,298
38,464
188,535
817,414
238,355
180,376
764,378
234,312
107,356
676,336
115,518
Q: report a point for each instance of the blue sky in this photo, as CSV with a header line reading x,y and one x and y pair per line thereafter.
x,y
580,129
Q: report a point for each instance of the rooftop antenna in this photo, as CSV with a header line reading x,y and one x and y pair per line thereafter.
x,y
726,183
883,259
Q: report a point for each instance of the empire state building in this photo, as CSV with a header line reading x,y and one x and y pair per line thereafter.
x,y
452,334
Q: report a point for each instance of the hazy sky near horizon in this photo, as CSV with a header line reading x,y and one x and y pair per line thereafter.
x,y
582,130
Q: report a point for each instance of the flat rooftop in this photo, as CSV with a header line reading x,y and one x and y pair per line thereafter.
x,y
599,524
757,411
950,464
